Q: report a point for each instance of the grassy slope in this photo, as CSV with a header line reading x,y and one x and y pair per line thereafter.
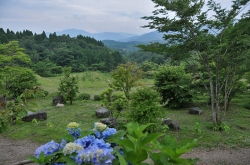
x,y
83,112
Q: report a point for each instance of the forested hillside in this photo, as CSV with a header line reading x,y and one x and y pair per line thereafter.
x,y
50,54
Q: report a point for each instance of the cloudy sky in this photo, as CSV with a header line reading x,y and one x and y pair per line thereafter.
x,y
89,15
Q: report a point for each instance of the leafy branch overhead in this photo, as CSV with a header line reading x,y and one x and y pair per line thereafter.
x,y
217,46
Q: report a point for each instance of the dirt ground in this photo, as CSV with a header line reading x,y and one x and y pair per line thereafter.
x,y
13,151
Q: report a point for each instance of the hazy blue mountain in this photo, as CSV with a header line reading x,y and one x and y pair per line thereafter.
x,y
122,47
154,36
97,36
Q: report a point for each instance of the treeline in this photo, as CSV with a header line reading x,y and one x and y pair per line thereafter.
x,y
50,54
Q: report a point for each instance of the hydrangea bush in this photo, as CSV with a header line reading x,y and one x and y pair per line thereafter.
x,y
107,146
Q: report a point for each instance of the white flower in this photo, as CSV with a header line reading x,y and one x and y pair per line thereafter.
x,y
72,125
71,147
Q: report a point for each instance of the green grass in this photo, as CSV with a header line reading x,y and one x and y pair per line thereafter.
x,y
83,112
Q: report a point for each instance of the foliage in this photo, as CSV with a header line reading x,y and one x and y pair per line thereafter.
x,y
115,102
16,109
46,68
81,53
83,96
138,145
247,105
197,127
23,78
221,127
68,86
145,107
125,77
97,97
219,44
174,86
14,72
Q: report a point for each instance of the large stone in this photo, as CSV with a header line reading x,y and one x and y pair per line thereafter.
x,y
195,111
110,122
172,124
40,115
102,113
58,99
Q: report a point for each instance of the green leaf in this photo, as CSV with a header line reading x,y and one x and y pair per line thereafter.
x,y
149,138
121,158
118,135
33,159
126,143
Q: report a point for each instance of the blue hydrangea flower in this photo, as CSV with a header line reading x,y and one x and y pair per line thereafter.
x,y
106,133
75,132
48,148
62,144
86,141
96,151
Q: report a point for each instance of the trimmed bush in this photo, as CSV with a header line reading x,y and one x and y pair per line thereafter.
x,y
174,86
83,96
145,106
97,97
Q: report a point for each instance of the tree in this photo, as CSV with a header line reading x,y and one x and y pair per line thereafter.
x,y
15,78
125,77
68,86
218,45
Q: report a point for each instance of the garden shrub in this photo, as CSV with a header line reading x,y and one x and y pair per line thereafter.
x,y
247,105
83,96
174,86
145,106
97,97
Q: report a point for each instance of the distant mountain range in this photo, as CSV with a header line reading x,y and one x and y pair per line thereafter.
x,y
121,37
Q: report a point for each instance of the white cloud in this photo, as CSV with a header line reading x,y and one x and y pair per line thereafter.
x,y
89,15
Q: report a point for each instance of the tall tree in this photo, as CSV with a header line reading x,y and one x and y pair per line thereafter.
x,y
210,41
125,77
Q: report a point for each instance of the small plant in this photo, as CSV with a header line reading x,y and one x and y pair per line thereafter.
x,y
165,128
97,97
221,127
197,127
34,121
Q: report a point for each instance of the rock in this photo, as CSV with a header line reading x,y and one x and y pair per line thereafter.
x,y
172,124
102,113
40,115
58,99
195,111
110,122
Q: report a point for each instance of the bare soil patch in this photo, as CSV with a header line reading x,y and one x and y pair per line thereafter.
x,y
13,151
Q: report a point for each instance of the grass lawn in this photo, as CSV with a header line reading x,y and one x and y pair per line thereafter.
x,y
83,112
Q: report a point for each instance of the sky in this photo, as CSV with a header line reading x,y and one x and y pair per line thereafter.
x,y
93,16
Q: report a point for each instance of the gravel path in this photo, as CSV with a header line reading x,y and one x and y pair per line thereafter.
x,y
13,151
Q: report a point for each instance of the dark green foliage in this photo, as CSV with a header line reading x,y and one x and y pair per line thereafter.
x,y
174,86
46,68
49,55
125,77
97,97
83,96
247,105
68,86
145,106
115,102
23,79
